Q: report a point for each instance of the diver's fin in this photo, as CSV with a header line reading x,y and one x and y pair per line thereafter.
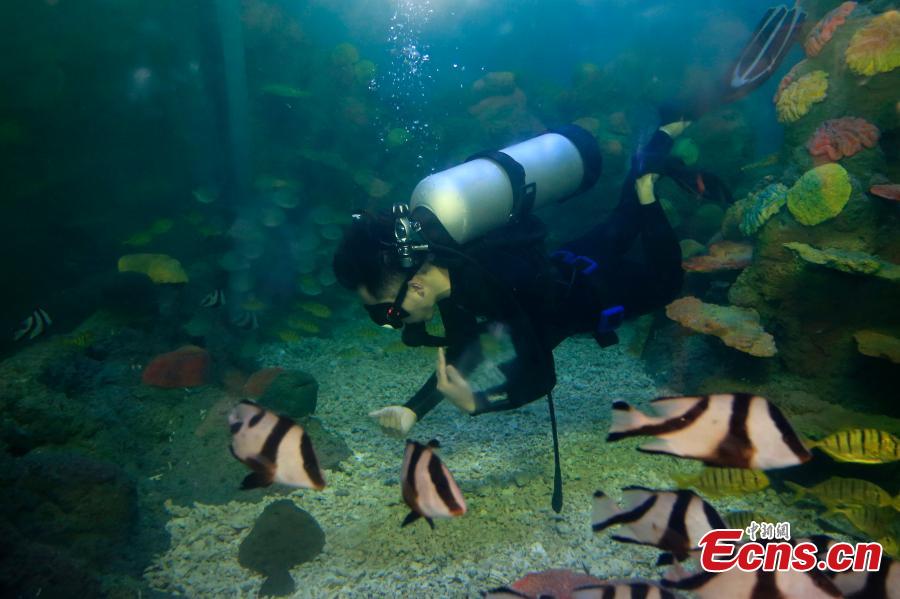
x,y
769,44
700,183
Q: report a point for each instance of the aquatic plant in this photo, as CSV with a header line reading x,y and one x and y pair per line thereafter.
x,y
842,138
848,261
878,345
876,47
761,206
159,267
796,100
723,255
736,327
820,194
822,33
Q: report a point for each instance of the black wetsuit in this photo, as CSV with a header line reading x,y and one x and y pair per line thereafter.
x,y
541,300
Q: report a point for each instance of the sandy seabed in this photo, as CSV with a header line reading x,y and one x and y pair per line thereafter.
x,y
503,462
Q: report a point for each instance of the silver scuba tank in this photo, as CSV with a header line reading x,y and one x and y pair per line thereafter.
x,y
492,188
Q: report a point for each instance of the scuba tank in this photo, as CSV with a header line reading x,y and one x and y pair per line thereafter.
x,y
494,188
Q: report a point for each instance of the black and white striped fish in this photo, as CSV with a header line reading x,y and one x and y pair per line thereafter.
x,y
275,447
623,590
740,584
246,320
214,299
736,430
881,584
34,325
673,521
428,487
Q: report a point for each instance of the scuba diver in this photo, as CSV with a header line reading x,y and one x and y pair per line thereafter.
x,y
469,247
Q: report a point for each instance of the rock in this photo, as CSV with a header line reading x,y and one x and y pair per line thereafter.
x,y
293,393
188,366
283,536
878,345
848,261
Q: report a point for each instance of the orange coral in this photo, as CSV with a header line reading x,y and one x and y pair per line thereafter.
x,y
724,255
824,29
876,47
787,80
841,138
188,366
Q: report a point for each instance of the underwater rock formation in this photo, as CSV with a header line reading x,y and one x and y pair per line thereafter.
x,y
820,194
736,327
796,100
848,261
187,366
761,206
283,537
878,345
876,47
159,267
843,137
825,28
724,255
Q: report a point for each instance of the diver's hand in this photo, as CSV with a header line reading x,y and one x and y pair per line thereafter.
x,y
644,188
453,385
395,420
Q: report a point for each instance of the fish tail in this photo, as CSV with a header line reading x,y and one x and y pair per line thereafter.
x,y
627,421
799,492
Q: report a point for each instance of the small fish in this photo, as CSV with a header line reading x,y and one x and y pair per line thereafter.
x,y
214,299
246,320
428,487
736,430
861,446
316,309
872,520
274,447
623,590
701,185
204,195
34,325
726,481
883,583
673,521
757,584
844,492
80,340
741,519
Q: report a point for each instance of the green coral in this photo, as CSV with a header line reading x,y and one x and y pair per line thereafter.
x,y
798,98
761,206
876,47
820,194
849,261
686,149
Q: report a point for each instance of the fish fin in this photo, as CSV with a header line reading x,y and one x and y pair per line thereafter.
x,y
410,518
671,407
504,593
604,510
658,446
799,492
665,559
627,421
434,444
255,480
263,473
430,522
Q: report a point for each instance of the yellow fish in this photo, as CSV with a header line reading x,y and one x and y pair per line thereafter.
x,y
163,225
726,481
303,325
79,340
139,239
872,520
861,445
316,309
288,336
742,518
845,492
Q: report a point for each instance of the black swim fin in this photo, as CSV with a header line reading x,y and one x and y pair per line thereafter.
x,y
702,184
769,44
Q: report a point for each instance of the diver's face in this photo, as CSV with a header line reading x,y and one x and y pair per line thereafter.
x,y
419,302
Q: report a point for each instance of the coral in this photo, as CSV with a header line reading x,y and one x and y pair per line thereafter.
x,y
820,194
796,100
849,261
737,327
159,267
187,366
258,382
761,206
496,83
344,54
824,29
553,583
890,191
841,138
789,78
724,255
878,345
876,47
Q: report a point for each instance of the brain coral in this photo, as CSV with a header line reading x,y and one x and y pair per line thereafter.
x,y
799,96
820,194
824,29
876,47
763,205
787,80
840,138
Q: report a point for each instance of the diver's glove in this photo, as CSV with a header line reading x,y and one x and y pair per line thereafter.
x,y
395,420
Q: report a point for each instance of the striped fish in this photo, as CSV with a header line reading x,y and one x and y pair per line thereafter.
x,y
733,430
741,519
844,492
861,446
623,590
428,487
274,447
246,320
34,325
881,584
213,299
872,520
726,481
758,584
673,521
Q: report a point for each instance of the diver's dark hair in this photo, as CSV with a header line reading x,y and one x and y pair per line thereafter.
x,y
364,256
